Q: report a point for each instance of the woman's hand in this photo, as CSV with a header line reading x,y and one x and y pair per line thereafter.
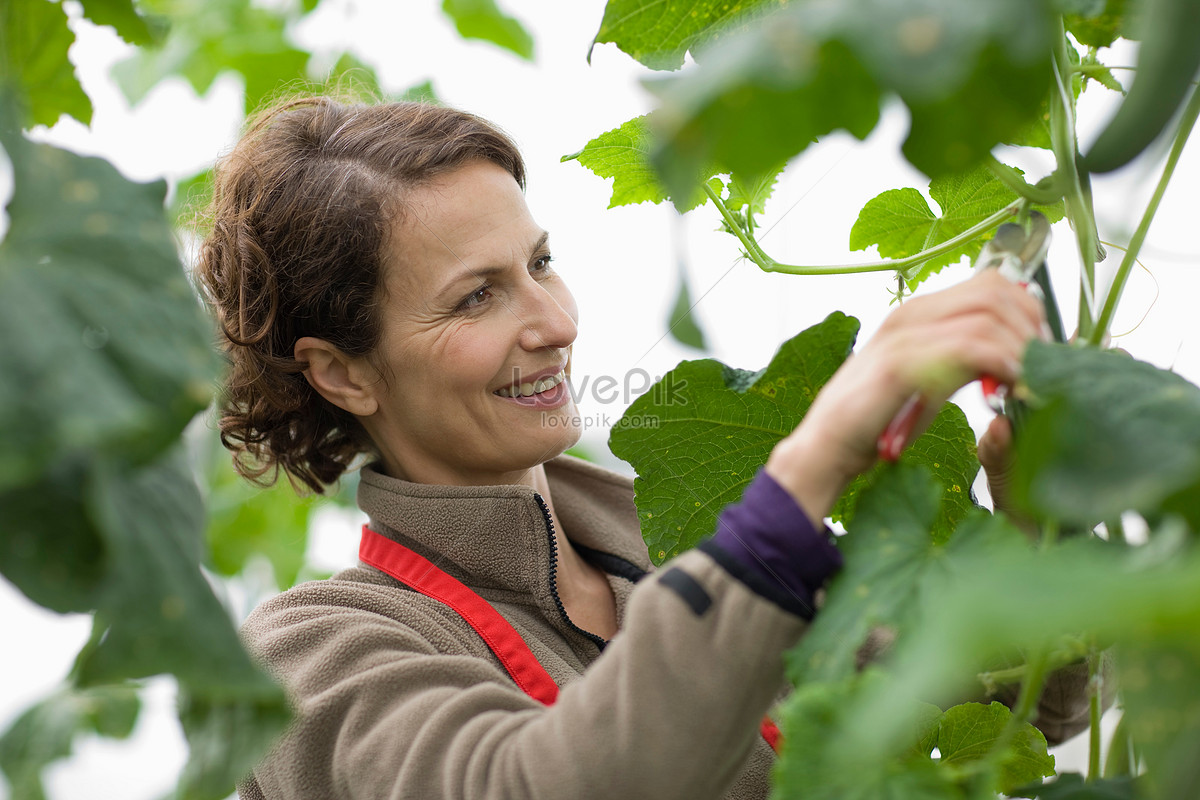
x,y
932,345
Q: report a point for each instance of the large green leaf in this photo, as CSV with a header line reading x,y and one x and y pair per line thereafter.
x,y
890,550
968,732
228,733
998,601
970,74
34,40
162,616
46,731
1111,434
699,436
623,155
901,224
109,350
482,19
659,33
1160,691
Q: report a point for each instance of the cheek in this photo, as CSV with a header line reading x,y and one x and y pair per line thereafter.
x,y
474,354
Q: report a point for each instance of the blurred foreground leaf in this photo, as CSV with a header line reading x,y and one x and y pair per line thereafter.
x,y
46,731
891,547
34,40
659,34
1109,434
971,76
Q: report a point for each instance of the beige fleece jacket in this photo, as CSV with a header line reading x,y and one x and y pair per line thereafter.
x,y
397,697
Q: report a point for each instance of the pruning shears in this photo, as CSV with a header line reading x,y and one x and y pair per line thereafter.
x,y
1018,251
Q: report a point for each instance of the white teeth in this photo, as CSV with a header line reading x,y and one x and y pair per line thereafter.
x,y
529,389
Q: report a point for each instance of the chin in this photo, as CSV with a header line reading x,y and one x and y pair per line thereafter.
x,y
557,433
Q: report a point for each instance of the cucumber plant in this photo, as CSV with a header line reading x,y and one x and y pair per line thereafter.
x,y
975,608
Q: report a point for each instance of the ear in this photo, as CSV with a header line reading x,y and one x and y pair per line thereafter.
x,y
347,382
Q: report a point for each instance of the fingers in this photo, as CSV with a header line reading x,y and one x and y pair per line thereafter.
x,y
930,347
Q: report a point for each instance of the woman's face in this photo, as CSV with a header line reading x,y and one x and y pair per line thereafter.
x,y
475,322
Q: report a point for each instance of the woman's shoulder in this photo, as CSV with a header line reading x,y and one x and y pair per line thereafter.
x,y
357,603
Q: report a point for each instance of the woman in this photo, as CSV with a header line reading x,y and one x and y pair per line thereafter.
x,y
385,291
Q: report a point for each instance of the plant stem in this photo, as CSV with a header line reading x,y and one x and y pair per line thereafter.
x,y
755,253
1095,689
1012,179
1070,652
1077,197
1186,123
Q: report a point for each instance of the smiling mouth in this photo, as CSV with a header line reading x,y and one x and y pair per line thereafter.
x,y
537,387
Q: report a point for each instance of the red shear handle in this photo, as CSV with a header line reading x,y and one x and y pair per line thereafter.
x,y
895,436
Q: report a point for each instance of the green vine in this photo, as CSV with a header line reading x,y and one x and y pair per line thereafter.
x,y
1186,123
767,264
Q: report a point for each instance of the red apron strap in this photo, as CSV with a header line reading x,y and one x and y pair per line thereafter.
x,y
421,574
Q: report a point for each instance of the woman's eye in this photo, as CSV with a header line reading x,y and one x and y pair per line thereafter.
x,y
476,298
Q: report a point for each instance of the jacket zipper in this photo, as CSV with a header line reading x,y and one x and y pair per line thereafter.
x,y
600,642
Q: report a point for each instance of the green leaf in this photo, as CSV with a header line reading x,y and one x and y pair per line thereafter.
x,y
682,323
228,733
352,77
968,732
245,521
482,19
49,547
1100,25
1160,695
1036,133
162,614
1006,598
129,24
890,550
207,39
971,75
819,763
900,223
421,93
34,40
91,285
1091,69
1110,434
752,192
947,450
1071,786
699,436
623,155
191,200
744,110
46,731
659,34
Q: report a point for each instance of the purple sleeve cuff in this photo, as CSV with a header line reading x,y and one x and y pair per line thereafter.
x,y
768,542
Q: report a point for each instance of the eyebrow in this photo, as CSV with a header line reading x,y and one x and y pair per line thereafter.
x,y
485,272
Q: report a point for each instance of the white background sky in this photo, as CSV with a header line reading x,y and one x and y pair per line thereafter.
x,y
621,264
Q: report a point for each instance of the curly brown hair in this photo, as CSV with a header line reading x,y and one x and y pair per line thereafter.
x,y
301,217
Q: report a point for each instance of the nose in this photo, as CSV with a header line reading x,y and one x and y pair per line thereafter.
x,y
549,316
